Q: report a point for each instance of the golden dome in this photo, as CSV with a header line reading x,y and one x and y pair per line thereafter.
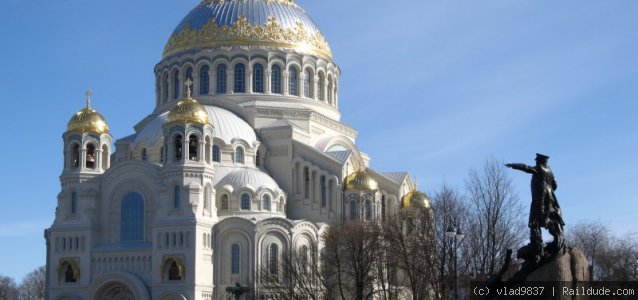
x,y
188,110
360,180
415,199
87,120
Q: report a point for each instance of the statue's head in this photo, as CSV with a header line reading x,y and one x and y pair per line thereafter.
x,y
541,159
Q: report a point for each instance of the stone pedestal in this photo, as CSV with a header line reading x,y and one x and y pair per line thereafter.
x,y
571,266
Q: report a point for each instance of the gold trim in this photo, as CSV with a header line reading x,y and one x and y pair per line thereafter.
x,y
177,259
284,2
242,33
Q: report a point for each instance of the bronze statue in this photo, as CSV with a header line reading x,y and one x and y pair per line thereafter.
x,y
544,210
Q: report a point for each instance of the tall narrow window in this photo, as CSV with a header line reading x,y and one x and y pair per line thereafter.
x,y
245,202
178,148
275,80
324,191
320,87
144,155
176,196
307,87
175,85
221,79
265,202
239,155
224,202
165,88
132,218
353,210
306,175
293,83
240,79
274,255
330,90
189,76
74,202
204,83
193,146
258,78
216,153
90,156
258,158
234,254
76,156
162,154
303,253
368,208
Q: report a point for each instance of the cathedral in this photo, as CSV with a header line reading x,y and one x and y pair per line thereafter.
x,y
242,160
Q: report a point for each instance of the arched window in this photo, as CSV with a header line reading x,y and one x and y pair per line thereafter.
x,y
265,199
353,210
221,79
175,85
132,218
324,191
216,153
234,260
144,155
76,156
165,88
239,155
193,146
245,202
303,255
224,202
90,156
178,148
293,83
274,255
240,79
275,80
189,76
258,78
162,154
307,87
176,196
368,210
74,202
320,86
204,80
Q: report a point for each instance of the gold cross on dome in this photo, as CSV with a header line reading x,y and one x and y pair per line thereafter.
x,y
88,95
188,87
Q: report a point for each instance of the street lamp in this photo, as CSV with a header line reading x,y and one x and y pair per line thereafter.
x,y
455,234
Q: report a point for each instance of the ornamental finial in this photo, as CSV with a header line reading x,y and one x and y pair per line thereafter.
x,y
188,87
88,95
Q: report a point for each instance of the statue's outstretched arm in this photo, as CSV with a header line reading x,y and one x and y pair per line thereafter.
x,y
522,167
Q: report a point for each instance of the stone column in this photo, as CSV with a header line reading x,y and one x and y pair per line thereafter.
x,y
285,85
249,80
267,82
230,81
315,84
98,159
301,86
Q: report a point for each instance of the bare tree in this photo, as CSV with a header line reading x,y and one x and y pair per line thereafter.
x,y
409,242
450,210
496,222
593,238
350,258
32,286
8,288
300,277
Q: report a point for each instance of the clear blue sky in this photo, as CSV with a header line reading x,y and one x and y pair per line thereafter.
x,y
433,87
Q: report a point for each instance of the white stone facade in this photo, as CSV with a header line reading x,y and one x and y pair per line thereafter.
x,y
269,169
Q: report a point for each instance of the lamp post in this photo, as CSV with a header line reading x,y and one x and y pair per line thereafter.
x,y
457,236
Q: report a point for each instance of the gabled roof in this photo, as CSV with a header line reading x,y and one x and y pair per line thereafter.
x,y
397,177
340,156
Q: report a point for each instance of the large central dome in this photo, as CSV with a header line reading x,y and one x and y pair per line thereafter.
x,y
276,23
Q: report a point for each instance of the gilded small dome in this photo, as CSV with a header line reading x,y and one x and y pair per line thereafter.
x,y
87,120
415,199
360,180
188,110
